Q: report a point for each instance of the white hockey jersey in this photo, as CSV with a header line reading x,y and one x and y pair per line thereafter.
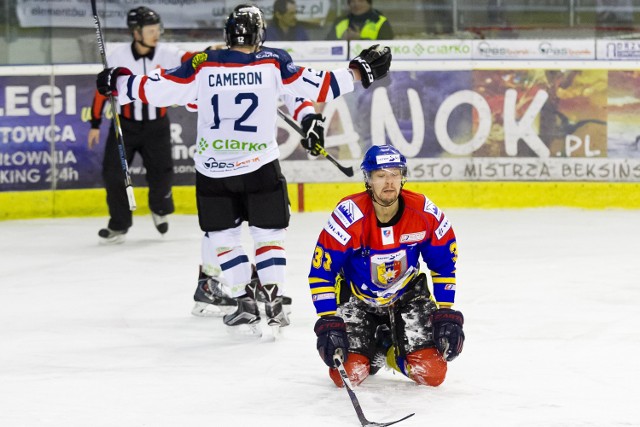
x,y
236,96
162,56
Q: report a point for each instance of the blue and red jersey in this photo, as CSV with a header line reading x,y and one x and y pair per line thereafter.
x,y
379,260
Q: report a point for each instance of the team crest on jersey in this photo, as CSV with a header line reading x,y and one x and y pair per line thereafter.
x,y
387,235
387,268
198,59
348,213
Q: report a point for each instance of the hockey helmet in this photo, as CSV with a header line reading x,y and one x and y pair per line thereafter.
x,y
141,16
383,157
245,26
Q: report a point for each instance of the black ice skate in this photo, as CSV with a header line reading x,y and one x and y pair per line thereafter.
x,y
210,298
111,237
161,222
261,295
246,318
273,307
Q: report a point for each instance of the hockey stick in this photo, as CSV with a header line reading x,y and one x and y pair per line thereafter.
x,y
116,119
337,359
289,120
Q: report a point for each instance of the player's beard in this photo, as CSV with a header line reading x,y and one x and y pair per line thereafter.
x,y
387,196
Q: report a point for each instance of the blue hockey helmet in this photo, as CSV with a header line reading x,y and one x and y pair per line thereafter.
x,y
245,26
383,157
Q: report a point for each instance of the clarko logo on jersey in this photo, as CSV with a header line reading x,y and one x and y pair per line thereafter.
x,y
234,145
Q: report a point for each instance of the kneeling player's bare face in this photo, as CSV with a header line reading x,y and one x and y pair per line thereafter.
x,y
386,185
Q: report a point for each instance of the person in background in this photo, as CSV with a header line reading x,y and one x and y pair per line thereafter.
x,y
374,303
362,22
285,26
145,129
238,175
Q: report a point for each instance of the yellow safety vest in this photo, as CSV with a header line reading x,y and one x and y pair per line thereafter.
x,y
369,31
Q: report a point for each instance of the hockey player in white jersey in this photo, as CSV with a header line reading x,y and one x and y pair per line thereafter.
x,y
238,175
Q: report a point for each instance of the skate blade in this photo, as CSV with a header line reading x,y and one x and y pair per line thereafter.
x,y
202,309
116,240
245,330
276,331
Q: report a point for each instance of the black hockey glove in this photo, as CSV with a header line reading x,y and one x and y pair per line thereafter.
x,y
107,79
373,64
332,336
313,127
447,332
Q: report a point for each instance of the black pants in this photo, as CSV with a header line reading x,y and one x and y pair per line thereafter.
x,y
259,197
411,318
152,140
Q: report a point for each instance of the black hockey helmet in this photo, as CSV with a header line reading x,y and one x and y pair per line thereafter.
x,y
141,16
245,26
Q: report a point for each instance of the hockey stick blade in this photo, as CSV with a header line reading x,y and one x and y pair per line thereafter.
x,y
319,148
337,359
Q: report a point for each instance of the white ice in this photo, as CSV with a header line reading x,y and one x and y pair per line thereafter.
x,y
103,336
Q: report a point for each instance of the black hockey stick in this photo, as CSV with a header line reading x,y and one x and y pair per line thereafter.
x,y
337,359
289,120
116,119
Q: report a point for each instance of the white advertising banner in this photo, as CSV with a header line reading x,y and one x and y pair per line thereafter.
x,y
174,13
479,169
618,49
534,49
411,50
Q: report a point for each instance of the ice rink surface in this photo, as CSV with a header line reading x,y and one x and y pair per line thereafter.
x,y
103,336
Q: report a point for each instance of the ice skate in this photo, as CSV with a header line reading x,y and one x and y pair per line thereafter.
x,y
276,317
261,296
210,298
161,222
111,237
245,320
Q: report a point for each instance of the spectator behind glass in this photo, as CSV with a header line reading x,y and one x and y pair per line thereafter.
x,y
285,26
362,22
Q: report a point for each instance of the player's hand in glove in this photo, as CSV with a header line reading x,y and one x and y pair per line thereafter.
x,y
313,127
373,64
447,332
107,79
332,336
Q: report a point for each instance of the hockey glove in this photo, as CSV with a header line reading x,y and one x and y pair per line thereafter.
x,y
373,64
313,127
108,78
447,332
332,336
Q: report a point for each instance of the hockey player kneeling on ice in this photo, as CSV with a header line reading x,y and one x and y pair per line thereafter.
x,y
374,303
238,176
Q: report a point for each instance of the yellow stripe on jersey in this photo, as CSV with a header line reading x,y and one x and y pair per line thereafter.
x,y
317,280
443,279
327,313
322,290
